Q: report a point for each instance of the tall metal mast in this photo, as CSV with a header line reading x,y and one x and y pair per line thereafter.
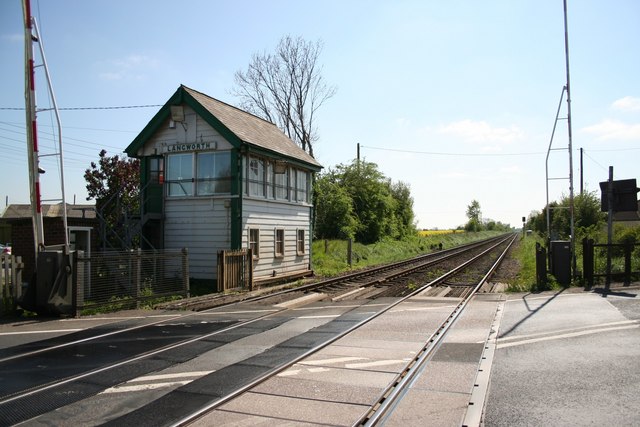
x,y
571,204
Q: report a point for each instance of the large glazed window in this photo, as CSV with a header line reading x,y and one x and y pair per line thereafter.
x,y
282,185
214,173
180,174
256,177
302,186
207,174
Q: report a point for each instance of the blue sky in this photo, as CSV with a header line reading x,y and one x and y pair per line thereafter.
x,y
455,98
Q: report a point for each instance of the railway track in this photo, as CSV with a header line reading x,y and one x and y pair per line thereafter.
x,y
84,377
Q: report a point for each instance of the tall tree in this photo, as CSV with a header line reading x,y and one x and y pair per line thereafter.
x,y
286,88
401,192
475,217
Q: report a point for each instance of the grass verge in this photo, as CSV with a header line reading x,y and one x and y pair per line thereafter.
x,y
525,280
329,257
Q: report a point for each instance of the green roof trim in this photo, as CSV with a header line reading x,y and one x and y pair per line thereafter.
x,y
240,128
181,96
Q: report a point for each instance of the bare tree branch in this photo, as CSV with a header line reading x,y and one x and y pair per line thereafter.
x,y
286,88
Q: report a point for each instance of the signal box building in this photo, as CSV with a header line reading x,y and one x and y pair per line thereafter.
x,y
214,177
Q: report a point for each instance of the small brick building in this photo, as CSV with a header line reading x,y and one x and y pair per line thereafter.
x,y
81,221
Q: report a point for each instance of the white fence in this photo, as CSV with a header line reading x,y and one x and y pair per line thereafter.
x,y
10,281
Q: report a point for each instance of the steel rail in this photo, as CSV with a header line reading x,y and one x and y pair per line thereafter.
x,y
392,394
312,286
51,385
272,372
448,253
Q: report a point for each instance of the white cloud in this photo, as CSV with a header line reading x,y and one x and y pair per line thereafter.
x,y
481,131
628,103
402,122
511,170
14,38
131,67
609,129
454,175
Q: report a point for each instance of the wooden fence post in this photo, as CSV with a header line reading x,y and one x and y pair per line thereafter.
x,y
185,271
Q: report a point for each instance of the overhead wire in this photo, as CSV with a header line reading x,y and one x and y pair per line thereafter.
x,y
117,107
434,153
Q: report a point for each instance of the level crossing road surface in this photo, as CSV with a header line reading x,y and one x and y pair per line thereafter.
x,y
555,358
567,358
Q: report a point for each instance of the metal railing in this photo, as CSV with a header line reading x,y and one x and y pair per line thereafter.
x,y
619,261
117,280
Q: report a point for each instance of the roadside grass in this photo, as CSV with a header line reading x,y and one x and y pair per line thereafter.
x,y
525,280
329,257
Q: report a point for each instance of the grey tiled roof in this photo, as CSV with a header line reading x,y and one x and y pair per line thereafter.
x,y
252,129
20,211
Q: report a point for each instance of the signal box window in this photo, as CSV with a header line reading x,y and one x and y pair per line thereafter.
x,y
279,243
254,242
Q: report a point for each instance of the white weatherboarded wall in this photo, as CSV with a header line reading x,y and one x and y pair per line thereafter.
x,y
201,225
193,130
267,216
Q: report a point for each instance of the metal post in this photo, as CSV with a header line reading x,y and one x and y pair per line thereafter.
x,y
185,271
628,248
587,262
541,267
138,256
571,204
553,132
609,226
581,172
60,151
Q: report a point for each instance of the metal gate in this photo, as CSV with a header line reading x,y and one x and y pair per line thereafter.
x,y
235,270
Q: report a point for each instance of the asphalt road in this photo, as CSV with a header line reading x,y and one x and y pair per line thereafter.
x,y
567,358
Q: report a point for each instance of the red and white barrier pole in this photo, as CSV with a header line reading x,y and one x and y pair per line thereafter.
x,y
32,129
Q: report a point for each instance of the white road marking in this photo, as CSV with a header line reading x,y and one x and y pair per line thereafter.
x,y
51,331
423,308
562,331
289,372
169,376
569,335
328,316
330,361
374,364
205,313
143,387
127,387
